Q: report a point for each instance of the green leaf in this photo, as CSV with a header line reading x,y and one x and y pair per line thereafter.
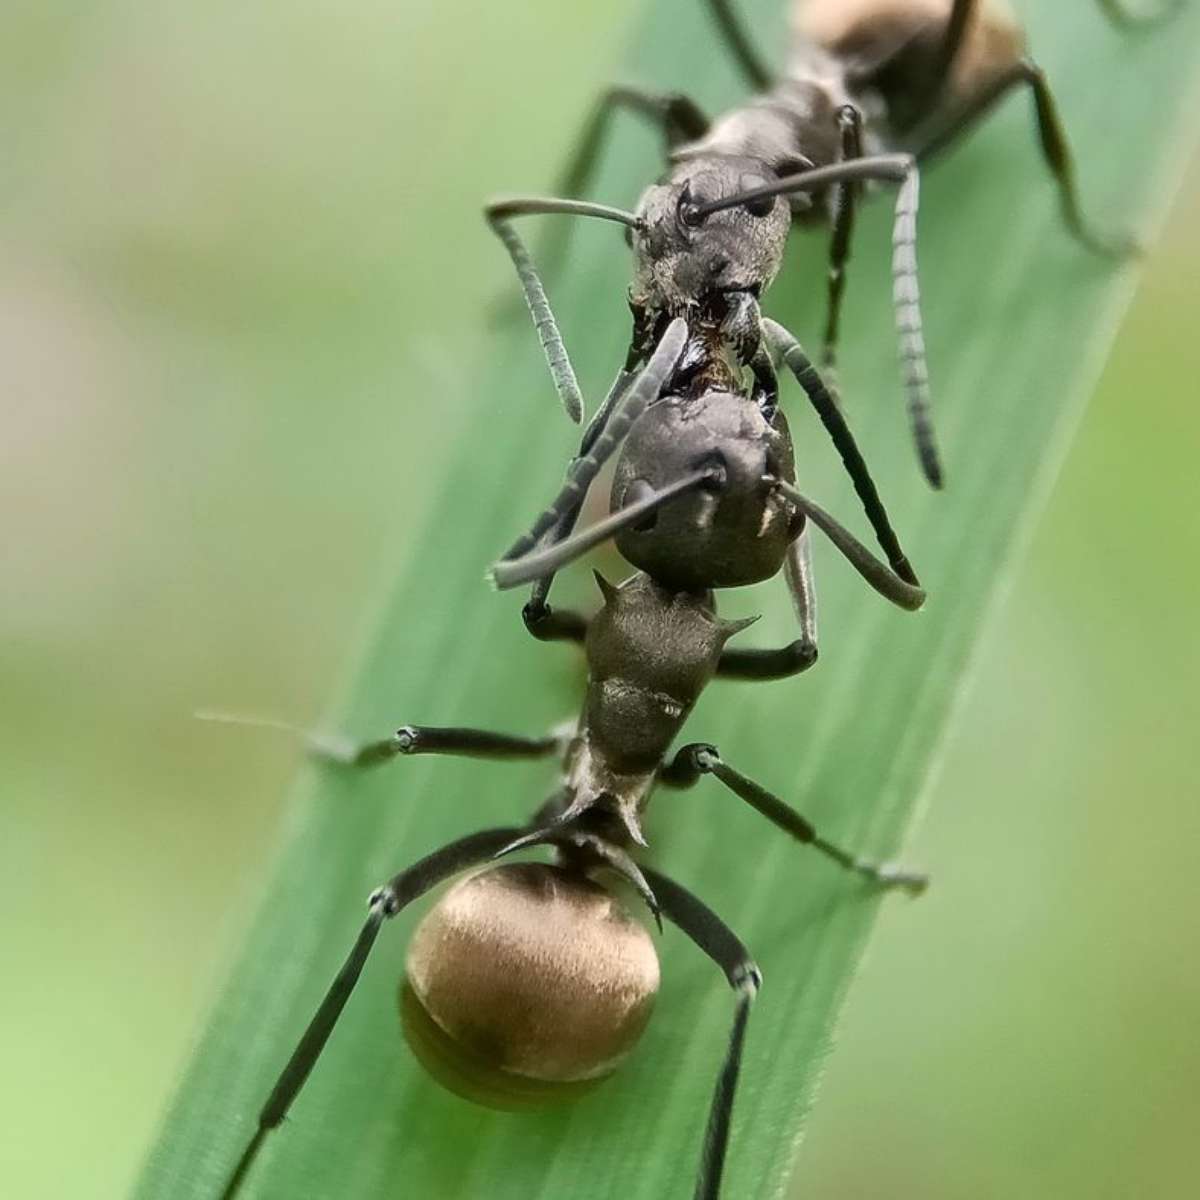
x,y
1019,319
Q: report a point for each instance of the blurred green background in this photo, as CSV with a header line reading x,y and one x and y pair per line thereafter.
x,y
235,246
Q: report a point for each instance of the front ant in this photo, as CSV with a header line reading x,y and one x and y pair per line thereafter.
x,y
529,980
873,89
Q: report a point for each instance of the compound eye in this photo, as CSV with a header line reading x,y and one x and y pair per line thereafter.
x,y
688,209
761,205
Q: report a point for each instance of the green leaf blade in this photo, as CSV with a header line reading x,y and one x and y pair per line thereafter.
x,y
1018,320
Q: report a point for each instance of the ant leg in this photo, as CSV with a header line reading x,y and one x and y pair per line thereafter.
x,y
800,654
385,902
514,572
679,118
947,52
700,759
462,742
846,197
694,918
794,358
411,739
1122,18
552,624
536,611
884,581
1055,149
737,41
640,394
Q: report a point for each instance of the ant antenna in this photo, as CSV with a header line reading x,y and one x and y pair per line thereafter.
x,y
888,168
513,573
528,206
807,376
906,304
906,293
884,581
641,393
498,215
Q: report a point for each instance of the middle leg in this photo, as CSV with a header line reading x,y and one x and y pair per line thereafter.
x,y
699,759
460,741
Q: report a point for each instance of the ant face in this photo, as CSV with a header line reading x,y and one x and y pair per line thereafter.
x,y
683,255
732,532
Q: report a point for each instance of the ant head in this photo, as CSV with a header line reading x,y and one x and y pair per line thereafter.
x,y
526,983
683,254
730,532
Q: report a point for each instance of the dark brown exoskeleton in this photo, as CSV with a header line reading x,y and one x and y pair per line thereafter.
x,y
529,981
872,89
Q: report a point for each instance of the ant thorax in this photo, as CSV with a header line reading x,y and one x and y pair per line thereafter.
x,y
682,256
789,129
651,651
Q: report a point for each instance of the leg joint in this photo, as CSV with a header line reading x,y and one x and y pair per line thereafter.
x,y
384,901
406,739
746,979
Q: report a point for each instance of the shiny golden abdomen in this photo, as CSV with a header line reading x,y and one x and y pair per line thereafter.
x,y
526,984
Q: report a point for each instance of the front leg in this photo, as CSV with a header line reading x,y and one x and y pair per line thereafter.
x,y
799,655
554,624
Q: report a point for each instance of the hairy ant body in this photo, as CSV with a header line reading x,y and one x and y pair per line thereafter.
x,y
872,89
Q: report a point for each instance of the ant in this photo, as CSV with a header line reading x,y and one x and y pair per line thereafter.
x,y
873,88
530,981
